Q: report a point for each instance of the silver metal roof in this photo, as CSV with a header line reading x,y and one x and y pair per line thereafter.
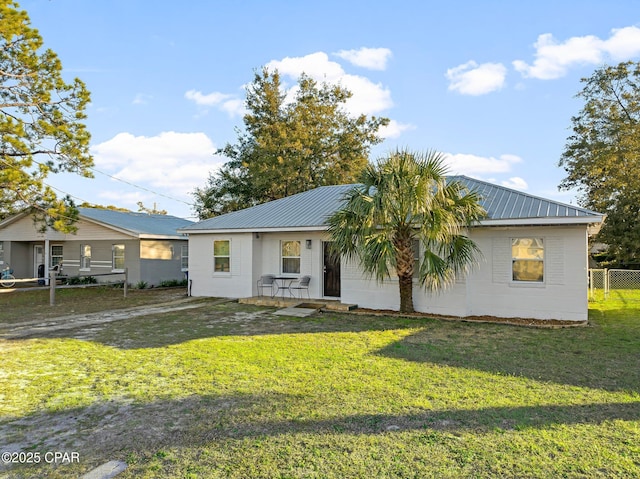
x,y
312,208
137,223
502,203
308,209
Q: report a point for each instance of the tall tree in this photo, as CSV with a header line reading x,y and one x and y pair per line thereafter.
x,y
41,122
602,156
403,200
289,145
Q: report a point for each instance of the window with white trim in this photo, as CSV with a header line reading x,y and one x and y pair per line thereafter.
x,y
290,254
527,260
85,257
117,257
222,256
56,255
184,257
1,252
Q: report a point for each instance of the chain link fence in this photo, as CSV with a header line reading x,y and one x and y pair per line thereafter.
x,y
624,282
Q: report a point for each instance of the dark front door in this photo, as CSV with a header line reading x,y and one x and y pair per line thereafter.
x,y
331,271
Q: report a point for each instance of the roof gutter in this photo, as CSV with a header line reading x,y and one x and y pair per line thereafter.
x,y
253,230
162,237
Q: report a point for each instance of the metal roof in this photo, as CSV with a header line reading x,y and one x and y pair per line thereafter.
x,y
503,203
137,223
311,209
308,209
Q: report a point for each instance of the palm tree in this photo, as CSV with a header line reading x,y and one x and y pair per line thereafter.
x,y
407,197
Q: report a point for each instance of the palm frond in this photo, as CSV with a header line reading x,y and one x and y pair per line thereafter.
x,y
403,197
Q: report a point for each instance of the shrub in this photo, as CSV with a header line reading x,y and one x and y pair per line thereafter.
x,y
172,283
74,280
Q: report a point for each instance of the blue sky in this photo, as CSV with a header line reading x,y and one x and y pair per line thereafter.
x,y
490,83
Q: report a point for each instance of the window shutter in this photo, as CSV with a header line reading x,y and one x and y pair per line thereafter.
x,y
501,264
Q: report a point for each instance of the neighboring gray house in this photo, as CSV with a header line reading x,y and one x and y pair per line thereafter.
x,y
534,249
106,241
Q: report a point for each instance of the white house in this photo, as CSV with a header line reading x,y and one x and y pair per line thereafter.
x,y
534,261
106,242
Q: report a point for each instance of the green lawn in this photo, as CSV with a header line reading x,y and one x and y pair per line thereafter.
x,y
232,391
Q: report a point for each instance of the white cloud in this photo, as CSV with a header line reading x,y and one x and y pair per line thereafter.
x,y
371,58
368,98
467,164
473,79
234,107
482,168
554,59
624,43
175,163
228,103
211,99
516,183
122,198
394,129
316,65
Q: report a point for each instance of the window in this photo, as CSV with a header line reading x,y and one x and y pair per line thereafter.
x,y
415,246
290,257
85,256
56,255
1,252
221,256
117,257
184,257
527,259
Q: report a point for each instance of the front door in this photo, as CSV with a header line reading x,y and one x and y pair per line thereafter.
x,y
331,268
38,258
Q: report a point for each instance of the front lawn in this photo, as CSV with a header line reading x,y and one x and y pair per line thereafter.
x,y
232,391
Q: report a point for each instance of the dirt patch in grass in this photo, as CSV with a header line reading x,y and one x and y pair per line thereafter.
x,y
16,307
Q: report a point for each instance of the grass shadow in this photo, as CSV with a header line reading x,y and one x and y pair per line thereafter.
x,y
103,430
213,320
604,355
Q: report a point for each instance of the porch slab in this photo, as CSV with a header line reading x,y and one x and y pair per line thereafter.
x,y
276,302
296,312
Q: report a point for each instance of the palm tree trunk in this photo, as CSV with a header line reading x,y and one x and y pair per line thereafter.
x,y
404,270
406,294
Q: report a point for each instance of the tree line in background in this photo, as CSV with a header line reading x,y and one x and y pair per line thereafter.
x,y
602,158
289,145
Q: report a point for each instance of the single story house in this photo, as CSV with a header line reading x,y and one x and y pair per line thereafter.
x,y
106,242
534,261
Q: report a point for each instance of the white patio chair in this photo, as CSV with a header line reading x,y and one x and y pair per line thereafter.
x,y
267,281
300,285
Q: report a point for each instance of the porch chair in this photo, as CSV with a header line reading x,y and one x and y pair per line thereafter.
x,y
267,281
300,285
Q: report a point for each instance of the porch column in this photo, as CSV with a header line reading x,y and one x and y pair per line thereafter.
x,y
46,260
